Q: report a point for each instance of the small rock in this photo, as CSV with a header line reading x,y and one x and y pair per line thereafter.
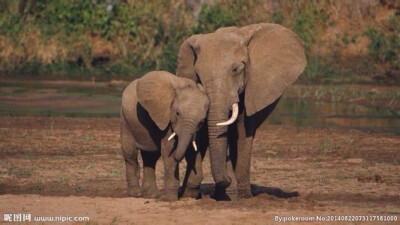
x,y
378,178
271,152
115,83
355,160
374,91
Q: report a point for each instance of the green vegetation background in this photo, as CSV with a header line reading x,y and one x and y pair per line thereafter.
x,y
82,39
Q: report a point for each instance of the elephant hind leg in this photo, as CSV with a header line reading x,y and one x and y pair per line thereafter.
x,y
132,177
130,153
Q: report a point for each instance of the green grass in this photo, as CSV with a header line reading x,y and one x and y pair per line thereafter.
x,y
114,220
326,147
39,185
115,172
28,155
64,180
77,190
20,172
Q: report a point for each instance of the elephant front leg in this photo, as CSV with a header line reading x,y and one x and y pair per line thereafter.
x,y
149,186
171,172
243,157
230,192
232,189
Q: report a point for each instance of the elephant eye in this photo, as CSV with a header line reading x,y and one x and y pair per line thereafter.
x,y
177,113
237,67
234,70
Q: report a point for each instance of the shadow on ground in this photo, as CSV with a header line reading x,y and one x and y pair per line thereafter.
x,y
120,191
208,190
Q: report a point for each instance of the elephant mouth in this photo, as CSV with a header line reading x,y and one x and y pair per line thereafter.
x,y
193,140
235,113
182,145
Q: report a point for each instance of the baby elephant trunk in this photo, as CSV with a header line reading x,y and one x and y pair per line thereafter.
x,y
184,140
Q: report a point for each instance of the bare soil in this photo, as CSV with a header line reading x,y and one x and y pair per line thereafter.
x,y
51,166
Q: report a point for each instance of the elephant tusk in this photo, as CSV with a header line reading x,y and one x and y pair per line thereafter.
x,y
235,113
171,136
194,145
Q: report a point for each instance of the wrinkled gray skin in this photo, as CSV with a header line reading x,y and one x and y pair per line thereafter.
x,y
248,65
153,107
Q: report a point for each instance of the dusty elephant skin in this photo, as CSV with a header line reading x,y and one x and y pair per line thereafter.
x,y
158,109
244,69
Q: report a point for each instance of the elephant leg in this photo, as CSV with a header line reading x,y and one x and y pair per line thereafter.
x,y
194,170
194,173
130,153
246,130
230,192
232,189
171,172
243,157
149,186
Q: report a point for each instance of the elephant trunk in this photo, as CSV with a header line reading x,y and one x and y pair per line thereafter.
x,y
218,140
185,138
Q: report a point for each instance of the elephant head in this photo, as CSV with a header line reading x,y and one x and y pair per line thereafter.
x,y
258,61
175,101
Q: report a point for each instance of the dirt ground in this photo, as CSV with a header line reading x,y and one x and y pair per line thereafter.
x,y
52,166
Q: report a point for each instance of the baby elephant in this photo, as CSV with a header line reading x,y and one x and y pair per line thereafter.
x,y
156,109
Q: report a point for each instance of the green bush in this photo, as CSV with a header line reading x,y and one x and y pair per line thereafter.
x,y
82,39
308,20
384,47
213,17
145,41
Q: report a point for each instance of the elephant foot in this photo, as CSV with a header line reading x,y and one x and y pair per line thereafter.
x,y
170,196
232,193
134,192
231,190
190,193
221,194
150,193
244,193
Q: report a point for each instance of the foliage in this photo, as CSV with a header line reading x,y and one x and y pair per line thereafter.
x,y
212,17
137,37
115,38
308,19
215,16
384,47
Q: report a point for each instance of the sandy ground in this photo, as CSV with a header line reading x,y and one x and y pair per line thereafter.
x,y
52,166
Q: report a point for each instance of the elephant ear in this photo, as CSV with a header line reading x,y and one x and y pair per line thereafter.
x,y
187,57
276,57
155,93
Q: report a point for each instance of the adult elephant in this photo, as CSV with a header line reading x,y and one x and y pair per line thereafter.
x,y
244,70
